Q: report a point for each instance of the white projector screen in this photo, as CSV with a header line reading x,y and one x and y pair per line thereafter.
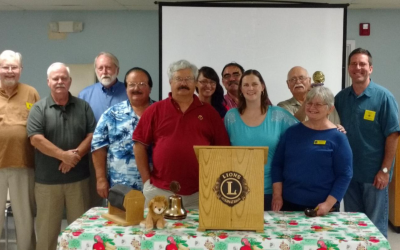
x,y
269,38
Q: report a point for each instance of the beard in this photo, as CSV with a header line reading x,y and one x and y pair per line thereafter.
x,y
9,82
106,80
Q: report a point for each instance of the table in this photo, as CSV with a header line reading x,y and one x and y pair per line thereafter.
x,y
282,231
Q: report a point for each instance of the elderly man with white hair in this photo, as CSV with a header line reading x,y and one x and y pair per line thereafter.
x,y
101,96
60,127
16,153
172,127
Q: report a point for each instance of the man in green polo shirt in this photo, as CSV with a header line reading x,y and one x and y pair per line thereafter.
x,y
60,127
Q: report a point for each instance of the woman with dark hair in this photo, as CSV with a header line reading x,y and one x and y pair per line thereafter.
x,y
210,90
257,123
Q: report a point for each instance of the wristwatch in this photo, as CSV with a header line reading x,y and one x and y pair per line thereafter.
x,y
385,170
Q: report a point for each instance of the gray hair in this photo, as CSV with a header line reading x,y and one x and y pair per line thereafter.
x,y
53,66
113,58
322,92
182,64
11,54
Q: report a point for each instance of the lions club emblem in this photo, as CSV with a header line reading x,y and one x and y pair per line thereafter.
x,y
231,188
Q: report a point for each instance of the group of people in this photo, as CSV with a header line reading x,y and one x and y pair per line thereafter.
x,y
50,145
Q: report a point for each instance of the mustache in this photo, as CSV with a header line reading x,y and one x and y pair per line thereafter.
x,y
105,76
299,84
233,82
137,93
183,87
60,86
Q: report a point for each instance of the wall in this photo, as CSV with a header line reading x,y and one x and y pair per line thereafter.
x,y
383,43
133,37
130,35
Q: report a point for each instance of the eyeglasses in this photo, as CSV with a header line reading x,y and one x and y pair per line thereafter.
x,y
12,68
140,85
300,79
205,82
188,79
317,105
235,75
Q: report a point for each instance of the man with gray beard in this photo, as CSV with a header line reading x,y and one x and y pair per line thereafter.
x,y
101,96
16,153
108,91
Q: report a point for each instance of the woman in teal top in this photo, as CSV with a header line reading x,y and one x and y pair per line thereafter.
x,y
257,123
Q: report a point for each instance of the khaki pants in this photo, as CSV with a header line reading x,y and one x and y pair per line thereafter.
x,y
149,191
50,201
20,182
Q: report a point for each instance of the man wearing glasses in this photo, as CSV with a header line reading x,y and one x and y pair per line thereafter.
x,y
172,127
60,127
231,74
299,83
112,145
16,153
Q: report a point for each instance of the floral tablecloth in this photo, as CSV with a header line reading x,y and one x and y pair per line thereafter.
x,y
282,231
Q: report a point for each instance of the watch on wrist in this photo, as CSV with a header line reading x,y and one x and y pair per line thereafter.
x,y
385,170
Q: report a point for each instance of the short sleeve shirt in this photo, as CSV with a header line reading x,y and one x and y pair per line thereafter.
x,y
268,133
114,130
66,127
15,147
368,119
172,135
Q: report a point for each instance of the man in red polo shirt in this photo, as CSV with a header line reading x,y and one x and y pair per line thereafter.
x,y
172,127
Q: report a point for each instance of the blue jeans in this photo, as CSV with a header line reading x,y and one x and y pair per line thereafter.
x,y
365,198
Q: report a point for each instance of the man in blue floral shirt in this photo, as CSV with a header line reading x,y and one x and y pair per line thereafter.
x,y
112,145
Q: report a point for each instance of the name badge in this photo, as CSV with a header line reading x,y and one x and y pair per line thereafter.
x,y
319,142
29,105
369,115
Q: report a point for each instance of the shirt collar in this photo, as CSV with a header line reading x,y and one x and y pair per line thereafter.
x,y
196,102
51,103
294,102
111,89
368,91
128,108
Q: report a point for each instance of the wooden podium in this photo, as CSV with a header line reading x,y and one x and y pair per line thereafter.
x,y
231,187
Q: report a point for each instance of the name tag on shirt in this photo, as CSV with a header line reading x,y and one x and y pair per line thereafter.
x,y
29,105
369,115
319,142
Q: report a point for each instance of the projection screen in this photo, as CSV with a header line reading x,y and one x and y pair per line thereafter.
x,y
267,37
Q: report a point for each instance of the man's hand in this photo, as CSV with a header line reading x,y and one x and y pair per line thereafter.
x,y
277,203
341,128
71,157
381,180
103,187
65,168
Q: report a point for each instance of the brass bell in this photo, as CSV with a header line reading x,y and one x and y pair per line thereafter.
x,y
175,211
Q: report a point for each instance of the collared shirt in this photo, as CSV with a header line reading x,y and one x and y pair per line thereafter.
x,y
368,118
114,130
65,127
101,98
173,134
230,103
15,147
292,105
